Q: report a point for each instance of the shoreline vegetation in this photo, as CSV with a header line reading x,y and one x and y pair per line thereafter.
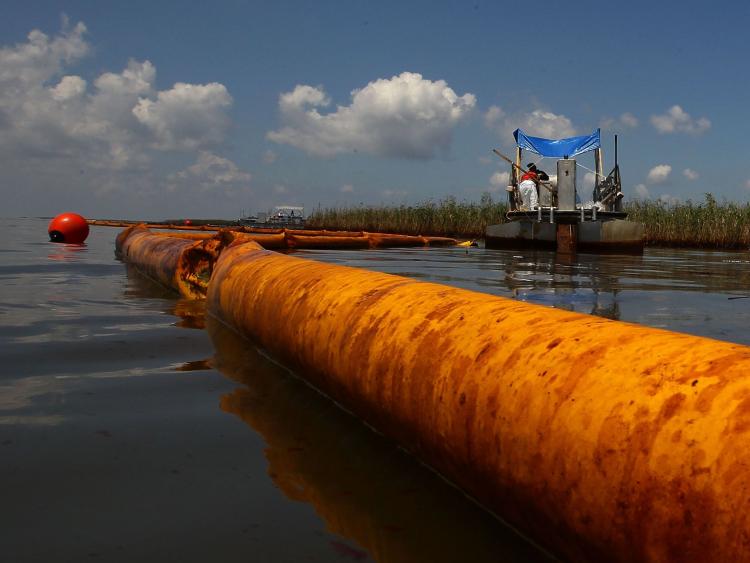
x,y
709,224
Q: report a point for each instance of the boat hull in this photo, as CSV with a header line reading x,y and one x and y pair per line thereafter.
x,y
600,236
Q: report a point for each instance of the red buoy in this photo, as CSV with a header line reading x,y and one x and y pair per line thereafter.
x,y
68,227
188,222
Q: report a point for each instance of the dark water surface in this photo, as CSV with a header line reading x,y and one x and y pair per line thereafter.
x,y
133,429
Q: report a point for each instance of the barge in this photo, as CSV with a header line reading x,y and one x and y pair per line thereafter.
x,y
554,217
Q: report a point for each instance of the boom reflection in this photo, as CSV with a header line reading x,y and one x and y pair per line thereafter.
x,y
362,485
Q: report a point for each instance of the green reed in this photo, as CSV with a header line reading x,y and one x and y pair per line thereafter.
x,y
446,217
707,224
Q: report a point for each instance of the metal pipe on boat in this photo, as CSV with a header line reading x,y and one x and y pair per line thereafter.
x,y
593,212
539,214
551,214
583,216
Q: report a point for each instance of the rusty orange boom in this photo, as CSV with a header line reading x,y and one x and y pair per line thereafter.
x,y
598,439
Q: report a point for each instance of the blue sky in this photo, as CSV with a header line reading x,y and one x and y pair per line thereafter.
x,y
172,109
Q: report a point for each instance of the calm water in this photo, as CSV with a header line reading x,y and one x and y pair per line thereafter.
x,y
133,430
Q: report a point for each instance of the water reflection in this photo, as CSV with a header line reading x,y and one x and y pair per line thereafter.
x,y
67,252
655,270
361,484
682,290
140,287
191,313
574,283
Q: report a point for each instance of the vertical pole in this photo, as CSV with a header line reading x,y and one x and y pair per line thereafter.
x,y
599,167
617,206
615,151
515,180
518,164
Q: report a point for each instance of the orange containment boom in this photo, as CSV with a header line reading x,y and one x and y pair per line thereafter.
x,y
278,239
600,440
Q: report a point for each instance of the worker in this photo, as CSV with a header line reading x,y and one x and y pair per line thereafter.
x,y
542,176
528,189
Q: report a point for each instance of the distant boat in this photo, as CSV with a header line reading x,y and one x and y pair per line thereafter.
x,y
288,216
558,218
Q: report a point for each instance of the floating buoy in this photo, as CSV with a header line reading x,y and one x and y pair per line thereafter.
x,y
187,222
70,228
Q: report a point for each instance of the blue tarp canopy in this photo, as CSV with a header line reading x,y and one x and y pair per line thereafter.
x,y
558,148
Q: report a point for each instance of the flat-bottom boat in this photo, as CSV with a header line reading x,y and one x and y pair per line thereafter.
x,y
558,220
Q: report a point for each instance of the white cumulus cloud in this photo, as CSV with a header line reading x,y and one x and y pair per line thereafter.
x,y
538,123
676,120
210,171
406,116
659,173
493,116
96,136
588,181
188,116
641,191
690,174
68,87
136,79
302,96
499,181
27,65
629,120
546,124
625,121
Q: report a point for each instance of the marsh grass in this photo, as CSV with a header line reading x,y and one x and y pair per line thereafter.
x,y
708,224
446,217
